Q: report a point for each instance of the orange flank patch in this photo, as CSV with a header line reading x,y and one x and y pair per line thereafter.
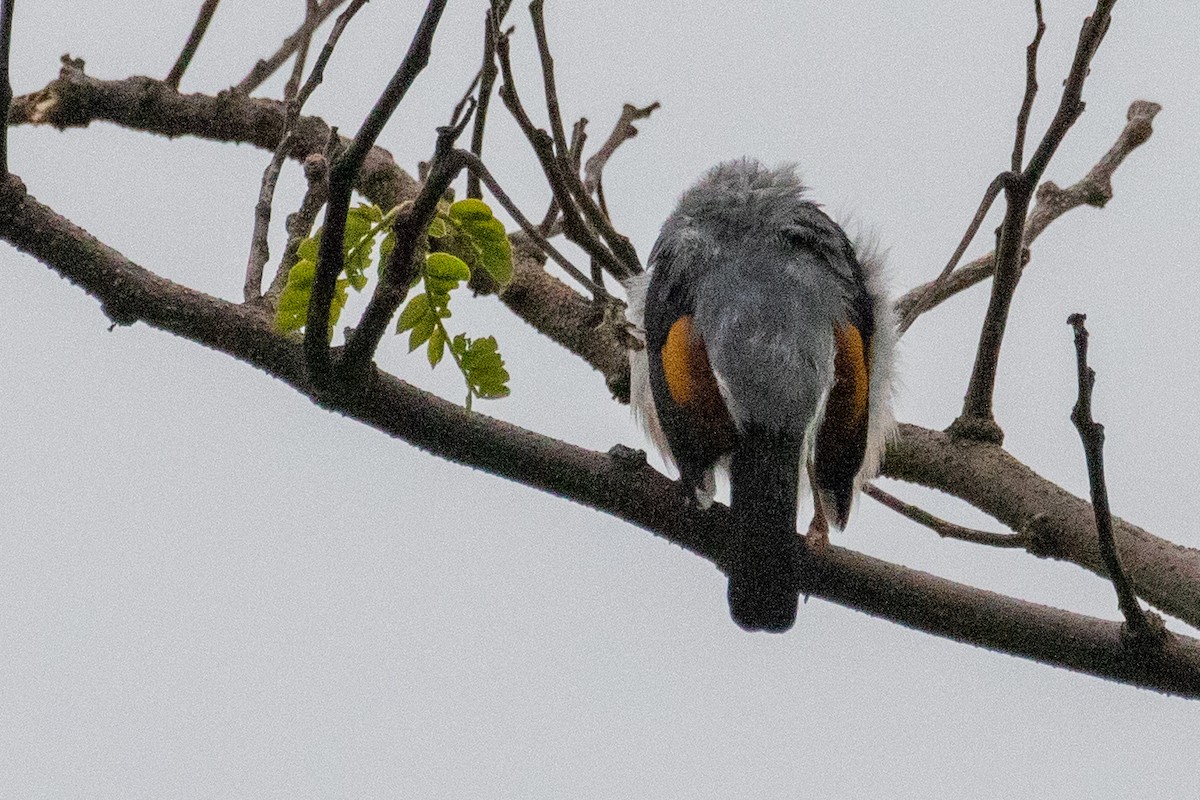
x,y
847,403
693,386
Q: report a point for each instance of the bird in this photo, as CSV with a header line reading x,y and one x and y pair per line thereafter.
x,y
768,348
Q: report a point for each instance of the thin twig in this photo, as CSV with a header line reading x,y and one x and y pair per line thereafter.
x,y
260,251
977,420
267,67
616,254
487,81
1031,88
557,132
564,183
947,530
1094,189
930,290
293,83
477,166
193,43
6,92
300,222
341,183
622,132
1091,434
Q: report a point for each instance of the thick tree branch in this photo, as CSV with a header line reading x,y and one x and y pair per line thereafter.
x,y
75,99
977,420
1060,525
620,484
193,43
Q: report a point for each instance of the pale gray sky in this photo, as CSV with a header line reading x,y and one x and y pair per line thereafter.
x,y
186,612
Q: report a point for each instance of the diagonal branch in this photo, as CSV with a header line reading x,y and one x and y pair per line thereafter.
x,y
620,483
977,420
1060,525
193,43
395,280
1031,89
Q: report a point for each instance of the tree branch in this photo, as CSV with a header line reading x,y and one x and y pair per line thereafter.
x,y
193,43
1094,189
259,251
551,307
977,420
6,92
1091,434
265,68
620,484
342,177
947,530
1060,525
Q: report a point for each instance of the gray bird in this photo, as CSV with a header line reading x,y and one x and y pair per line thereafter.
x,y
769,341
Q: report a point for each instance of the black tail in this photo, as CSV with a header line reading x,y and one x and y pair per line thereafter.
x,y
763,577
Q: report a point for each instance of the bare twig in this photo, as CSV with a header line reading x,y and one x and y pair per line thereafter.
x,y
487,81
1091,433
293,82
1094,189
977,420
557,132
341,183
260,252
947,530
6,92
267,67
583,222
477,167
622,132
929,291
1031,88
193,43
543,147
300,222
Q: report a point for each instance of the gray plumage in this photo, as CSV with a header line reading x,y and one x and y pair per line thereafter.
x,y
765,276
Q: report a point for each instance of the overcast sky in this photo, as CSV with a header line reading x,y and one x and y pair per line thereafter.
x,y
185,611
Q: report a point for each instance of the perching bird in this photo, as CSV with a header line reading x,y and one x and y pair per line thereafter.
x,y
769,343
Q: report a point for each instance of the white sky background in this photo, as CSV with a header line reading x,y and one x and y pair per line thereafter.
x,y
209,587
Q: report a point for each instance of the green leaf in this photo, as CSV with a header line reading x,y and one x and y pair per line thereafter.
x,y
447,267
438,229
292,311
486,236
416,310
421,332
309,248
437,345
